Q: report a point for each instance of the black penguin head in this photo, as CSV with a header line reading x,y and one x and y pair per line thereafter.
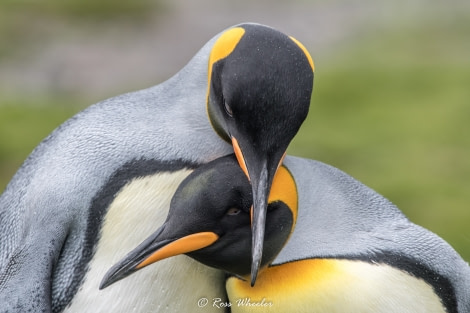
x,y
209,220
260,85
232,251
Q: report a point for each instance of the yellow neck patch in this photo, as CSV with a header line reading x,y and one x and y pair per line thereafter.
x,y
224,45
284,189
333,286
276,281
302,47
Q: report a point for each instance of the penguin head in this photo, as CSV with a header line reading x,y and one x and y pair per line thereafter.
x,y
259,88
209,220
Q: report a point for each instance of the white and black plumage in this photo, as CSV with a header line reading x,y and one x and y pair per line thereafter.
x,y
332,244
95,187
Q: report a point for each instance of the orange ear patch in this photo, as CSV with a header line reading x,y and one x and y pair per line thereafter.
x,y
223,46
284,189
302,47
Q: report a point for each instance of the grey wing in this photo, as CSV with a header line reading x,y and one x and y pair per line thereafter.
x,y
26,276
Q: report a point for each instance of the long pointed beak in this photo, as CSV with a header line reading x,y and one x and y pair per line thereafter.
x,y
261,175
260,195
157,247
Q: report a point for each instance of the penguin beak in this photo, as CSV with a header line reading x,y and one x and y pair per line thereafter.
x,y
160,245
260,172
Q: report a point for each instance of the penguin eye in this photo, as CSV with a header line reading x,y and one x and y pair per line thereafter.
x,y
228,109
233,211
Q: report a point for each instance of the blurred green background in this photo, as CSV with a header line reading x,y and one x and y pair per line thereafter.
x,y
391,103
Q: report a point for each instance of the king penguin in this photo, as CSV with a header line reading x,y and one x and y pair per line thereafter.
x,y
97,185
332,245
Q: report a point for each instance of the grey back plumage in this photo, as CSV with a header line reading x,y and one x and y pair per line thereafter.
x,y
341,218
44,211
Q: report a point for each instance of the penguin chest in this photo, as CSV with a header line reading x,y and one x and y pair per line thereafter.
x,y
172,285
333,286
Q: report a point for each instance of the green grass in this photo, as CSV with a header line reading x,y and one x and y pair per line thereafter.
x,y
89,9
22,127
26,23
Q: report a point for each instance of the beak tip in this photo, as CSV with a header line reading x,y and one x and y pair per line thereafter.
x,y
255,268
253,278
107,281
104,283
115,274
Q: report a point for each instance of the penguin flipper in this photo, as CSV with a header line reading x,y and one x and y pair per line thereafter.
x,y
26,279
